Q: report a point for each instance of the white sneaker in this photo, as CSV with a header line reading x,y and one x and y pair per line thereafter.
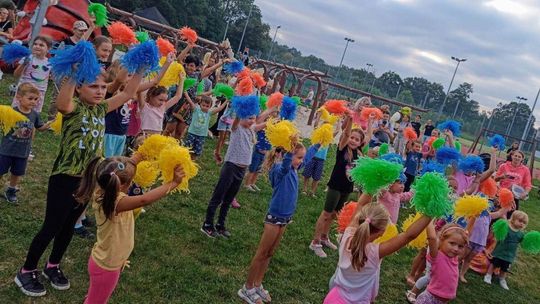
x,y
487,278
250,188
327,243
264,294
249,295
317,249
503,284
411,296
254,187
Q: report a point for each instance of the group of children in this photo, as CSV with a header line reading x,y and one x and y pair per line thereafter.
x,y
99,116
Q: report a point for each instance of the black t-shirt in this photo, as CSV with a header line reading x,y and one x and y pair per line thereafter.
x,y
5,26
339,179
428,130
68,41
416,126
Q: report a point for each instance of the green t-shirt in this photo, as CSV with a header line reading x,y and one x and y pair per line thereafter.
x,y
506,250
82,138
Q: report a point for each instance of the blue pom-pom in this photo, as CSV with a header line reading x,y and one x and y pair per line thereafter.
x,y
447,155
234,67
497,141
13,52
288,108
431,166
393,158
451,125
78,63
245,106
144,56
471,164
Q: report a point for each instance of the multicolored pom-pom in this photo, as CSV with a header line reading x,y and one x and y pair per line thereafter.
x,y
375,174
431,196
78,63
245,106
470,206
421,240
9,118
280,134
323,135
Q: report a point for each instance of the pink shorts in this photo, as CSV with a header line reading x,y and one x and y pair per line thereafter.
x,y
333,297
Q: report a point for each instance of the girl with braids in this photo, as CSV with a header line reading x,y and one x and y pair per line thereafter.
x,y
356,279
105,184
339,186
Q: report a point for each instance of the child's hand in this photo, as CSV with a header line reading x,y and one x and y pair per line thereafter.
x,y
178,174
294,140
170,57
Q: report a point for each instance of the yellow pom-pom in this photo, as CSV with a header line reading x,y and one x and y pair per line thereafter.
x,y
9,118
137,212
470,206
154,144
173,156
420,241
172,75
323,135
56,125
146,174
279,134
327,117
390,232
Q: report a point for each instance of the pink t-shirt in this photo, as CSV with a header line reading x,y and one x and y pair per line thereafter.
x,y
357,286
392,202
521,176
444,276
152,117
463,182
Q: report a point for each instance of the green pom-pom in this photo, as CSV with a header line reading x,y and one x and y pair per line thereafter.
x,y
99,11
142,36
222,89
263,99
457,144
531,242
365,150
297,99
375,174
383,149
431,195
500,229
189,83
200,87
438,143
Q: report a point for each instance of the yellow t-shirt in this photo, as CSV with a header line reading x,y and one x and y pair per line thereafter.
x,y
115,237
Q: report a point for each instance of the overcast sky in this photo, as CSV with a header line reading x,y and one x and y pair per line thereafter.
x,y
499,38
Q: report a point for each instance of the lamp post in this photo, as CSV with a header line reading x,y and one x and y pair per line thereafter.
x,y
529,122
373,83
245,27
451,81
228,20
343,56
511,126
273,41
369,65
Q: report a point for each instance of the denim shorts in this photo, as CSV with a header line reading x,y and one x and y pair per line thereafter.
x,y
15,165
257,159
276,220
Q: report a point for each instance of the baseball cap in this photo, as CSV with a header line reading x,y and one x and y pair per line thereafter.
x,y
80,25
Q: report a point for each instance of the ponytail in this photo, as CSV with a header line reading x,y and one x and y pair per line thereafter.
x,y
272,158
88,182
358,244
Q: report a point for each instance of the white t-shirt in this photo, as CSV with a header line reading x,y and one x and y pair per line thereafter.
x,y
310,95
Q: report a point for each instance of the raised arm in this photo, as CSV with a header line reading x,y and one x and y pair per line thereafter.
x,y
131,88
344,140
402,239
369,131
90,30
178,95
219,108
64,100
209,70
433,242
20,68
185,52
154,81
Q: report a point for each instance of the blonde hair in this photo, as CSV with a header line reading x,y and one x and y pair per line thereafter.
x,y
453,229
372,218
273,156
517,215
27,88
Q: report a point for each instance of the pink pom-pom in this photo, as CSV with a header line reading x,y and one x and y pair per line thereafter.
x,y
165,46
367,112
410,134
121,34
188,34
275,100
336,106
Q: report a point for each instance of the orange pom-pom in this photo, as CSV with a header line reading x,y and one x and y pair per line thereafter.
x,y
275,100
367,112
430,141
410,134
346,215
246,72
336,106
188,34
258,79
121,33
244,87
165,46
506,198
489,187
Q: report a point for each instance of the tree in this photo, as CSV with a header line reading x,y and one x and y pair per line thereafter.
x,y
406,97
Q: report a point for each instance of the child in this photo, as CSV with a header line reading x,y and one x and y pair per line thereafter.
x,y
505,251
427,150
356,279
284,180
339,186
36,69
399,141
104,48
444,253
257,158
224,124
105,183
237,159
198,129
83,127
412,162
15,146
153,110
416,124
314,170
392,198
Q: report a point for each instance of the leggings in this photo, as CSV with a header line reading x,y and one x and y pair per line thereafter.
x,y
102,283
230,180
423,281
61,214
333,297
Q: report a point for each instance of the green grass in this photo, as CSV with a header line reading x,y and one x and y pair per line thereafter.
x,y
174,263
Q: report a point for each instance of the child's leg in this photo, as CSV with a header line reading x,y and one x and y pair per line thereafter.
x,y
423,281
467,258
254,177
248,179
224,182
237,175
269,240
102,283
314,185
342,198
14,181
325,219
419,259
306,182
269,254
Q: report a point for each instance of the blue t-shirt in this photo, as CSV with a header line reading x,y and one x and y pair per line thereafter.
x,y
199,122
322,153
262,142
18,141
284,181
117,121
412,162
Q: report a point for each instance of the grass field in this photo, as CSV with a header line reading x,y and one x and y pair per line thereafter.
x,y
174,263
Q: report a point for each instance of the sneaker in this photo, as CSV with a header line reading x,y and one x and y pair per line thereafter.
x,y
503,284
29,283
249,295
317,249
235,204
56,277
254,187
209,230
88,222
11,195
327,243
223,232
487,278
83,233
31,156
263,294
411,297
250,188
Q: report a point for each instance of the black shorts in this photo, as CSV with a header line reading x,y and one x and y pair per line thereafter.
x,y
502,264
15,165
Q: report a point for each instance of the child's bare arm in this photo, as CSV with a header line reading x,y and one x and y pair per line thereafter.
x,y
402,239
